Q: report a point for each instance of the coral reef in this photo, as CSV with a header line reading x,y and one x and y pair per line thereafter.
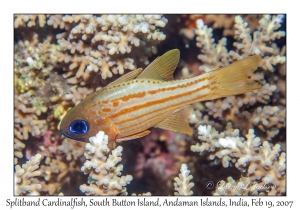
x,y
24,177
215,55
226,22
259,161
60,59
104,173
105,44
29,20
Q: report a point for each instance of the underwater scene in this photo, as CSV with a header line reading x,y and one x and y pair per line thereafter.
x,y
175,104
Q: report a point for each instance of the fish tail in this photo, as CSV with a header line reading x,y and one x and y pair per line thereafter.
x,y
235,78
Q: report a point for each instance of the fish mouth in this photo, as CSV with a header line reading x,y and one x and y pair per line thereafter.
x,y
67,135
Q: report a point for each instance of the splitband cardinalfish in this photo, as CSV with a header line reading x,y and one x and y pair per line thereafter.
x,y
126,108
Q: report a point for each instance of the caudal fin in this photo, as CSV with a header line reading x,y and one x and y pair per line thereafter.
x,y
235,78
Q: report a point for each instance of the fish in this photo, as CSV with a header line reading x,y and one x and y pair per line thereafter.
x,y
128,107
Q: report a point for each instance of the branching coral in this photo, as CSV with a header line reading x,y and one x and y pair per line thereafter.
x,y
29,20
104,173
262,161
215,55
261,43
40,93
24,175
226,22
182,182
25,123
33,62
18,147
105,43
268,117
57,176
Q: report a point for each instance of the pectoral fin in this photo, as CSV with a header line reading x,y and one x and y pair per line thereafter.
x,y
134,136
112,133
177,121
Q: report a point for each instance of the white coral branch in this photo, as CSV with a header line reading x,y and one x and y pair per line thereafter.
x,y
105,177
24,177
259,160
182,182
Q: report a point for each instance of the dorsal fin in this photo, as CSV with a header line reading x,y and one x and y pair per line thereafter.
x,y
177,121
162,68
129,76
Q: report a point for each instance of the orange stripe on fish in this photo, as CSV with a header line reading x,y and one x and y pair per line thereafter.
x,y
142,99
172,106
131,96
145,105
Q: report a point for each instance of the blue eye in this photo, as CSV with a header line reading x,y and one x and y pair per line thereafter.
x,y
79,127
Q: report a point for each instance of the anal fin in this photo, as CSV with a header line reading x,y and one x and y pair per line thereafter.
x,y
134,136
178,121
